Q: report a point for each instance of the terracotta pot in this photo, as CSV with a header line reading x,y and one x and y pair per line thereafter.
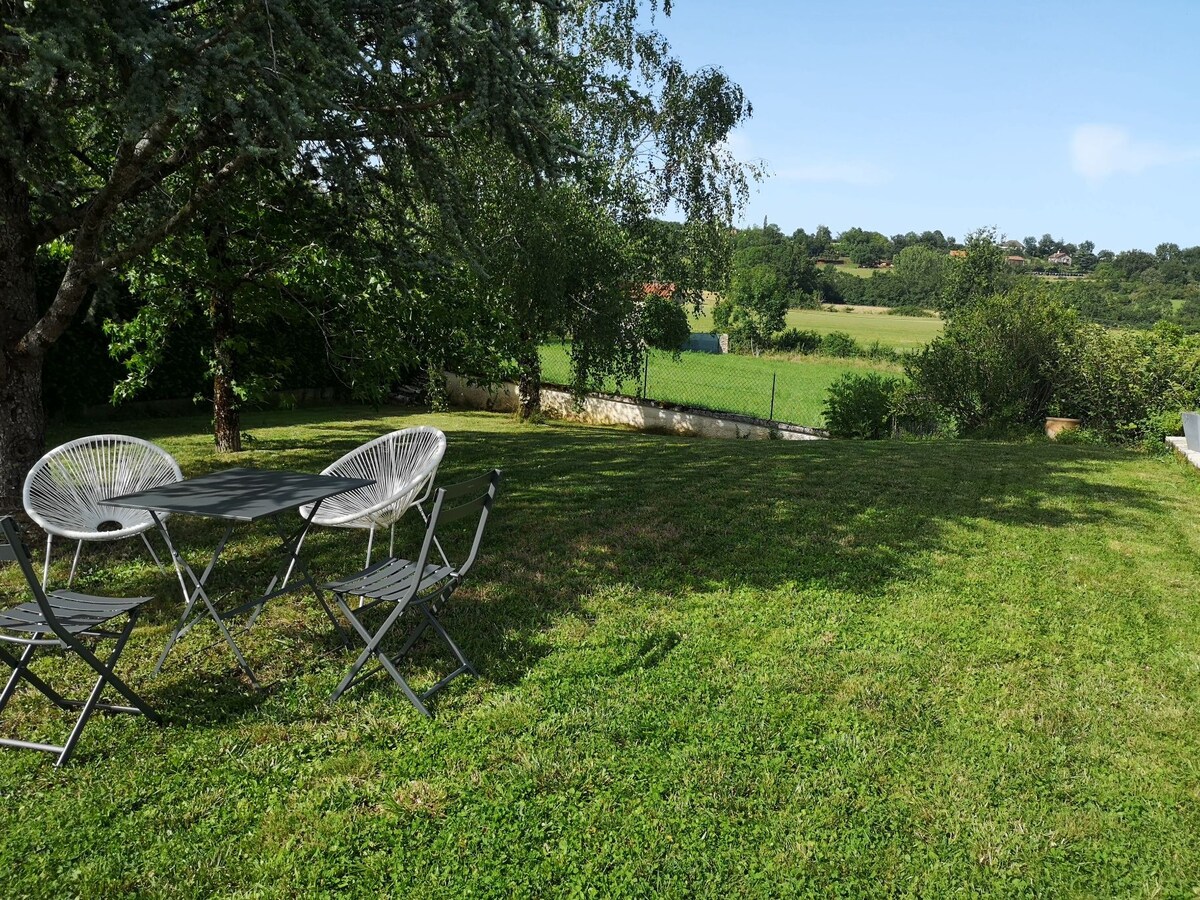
x,y
1056,425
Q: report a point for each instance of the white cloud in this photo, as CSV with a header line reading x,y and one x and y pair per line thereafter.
x,y
1101,151
739,146
857,173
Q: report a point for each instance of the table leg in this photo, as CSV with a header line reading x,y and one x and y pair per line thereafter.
x,y
187,621
292,562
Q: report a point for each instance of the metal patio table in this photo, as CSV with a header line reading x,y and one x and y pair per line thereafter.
x,y
240,496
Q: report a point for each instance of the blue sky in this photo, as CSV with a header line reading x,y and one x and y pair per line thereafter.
x,y
1078,119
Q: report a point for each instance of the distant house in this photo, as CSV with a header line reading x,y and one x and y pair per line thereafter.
x,y
1015,260
1060,258
659,289
959,254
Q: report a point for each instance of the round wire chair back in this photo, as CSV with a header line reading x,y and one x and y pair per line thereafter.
x,y
402,465
64,488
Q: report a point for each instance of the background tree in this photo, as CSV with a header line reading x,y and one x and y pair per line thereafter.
x,y
1085,257
120,121
755,308
865,248
921,274
559,266
652,138
259,265
822,241
979,274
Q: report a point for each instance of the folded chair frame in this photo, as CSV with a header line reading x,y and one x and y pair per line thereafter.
x,y
62,620
420,586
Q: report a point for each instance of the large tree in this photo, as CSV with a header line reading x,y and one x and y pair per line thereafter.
x,y
979,273
921,273
120,120
650,139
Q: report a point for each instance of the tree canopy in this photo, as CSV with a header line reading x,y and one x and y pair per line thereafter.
x,y
173,144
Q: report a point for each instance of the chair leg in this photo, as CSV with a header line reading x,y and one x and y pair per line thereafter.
x,y
46,564
454,648
372,642
105,677
74,563
404,686
89,705
20,669
110,677
373,648
367,565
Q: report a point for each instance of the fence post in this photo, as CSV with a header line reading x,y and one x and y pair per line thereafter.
x,y
646,376
771,414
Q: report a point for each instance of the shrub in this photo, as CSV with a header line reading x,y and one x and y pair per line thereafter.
x,y
876,350
916,415
997,365
1127,384
838,343
909,309
1160,426
795,340
860,406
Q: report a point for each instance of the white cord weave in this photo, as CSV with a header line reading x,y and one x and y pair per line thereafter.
x,y
402,464
64,488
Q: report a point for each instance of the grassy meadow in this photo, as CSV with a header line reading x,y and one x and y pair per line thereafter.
x,y
865,324
733,382
850,268
708,668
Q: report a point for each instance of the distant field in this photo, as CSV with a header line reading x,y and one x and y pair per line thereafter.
x,y
733,383
864,323
851,269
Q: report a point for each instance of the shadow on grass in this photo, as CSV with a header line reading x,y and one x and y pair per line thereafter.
x,y
587,510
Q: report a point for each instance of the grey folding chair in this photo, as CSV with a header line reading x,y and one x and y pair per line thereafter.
x,y
417,585
62,619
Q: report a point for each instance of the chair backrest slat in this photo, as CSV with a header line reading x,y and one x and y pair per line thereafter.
x,y
13,550
454,513
482,491
473,487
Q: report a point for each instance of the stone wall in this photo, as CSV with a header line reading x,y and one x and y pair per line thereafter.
x,y
644,415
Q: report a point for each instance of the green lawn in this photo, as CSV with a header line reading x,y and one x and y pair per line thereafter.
x,y
864,323
733,382
709,668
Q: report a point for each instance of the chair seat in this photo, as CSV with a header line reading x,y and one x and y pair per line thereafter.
x,y
390,579
77,613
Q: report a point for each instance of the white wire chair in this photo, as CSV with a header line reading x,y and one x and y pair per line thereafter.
x,y
64,488
402,465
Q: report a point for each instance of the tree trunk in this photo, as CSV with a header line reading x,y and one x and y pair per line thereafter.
x,y
22,419
227,417
529,383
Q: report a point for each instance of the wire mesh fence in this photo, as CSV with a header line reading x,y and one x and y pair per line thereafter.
x,y
766,388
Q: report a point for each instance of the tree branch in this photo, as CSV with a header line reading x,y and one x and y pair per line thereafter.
x,y
172,223
84,268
